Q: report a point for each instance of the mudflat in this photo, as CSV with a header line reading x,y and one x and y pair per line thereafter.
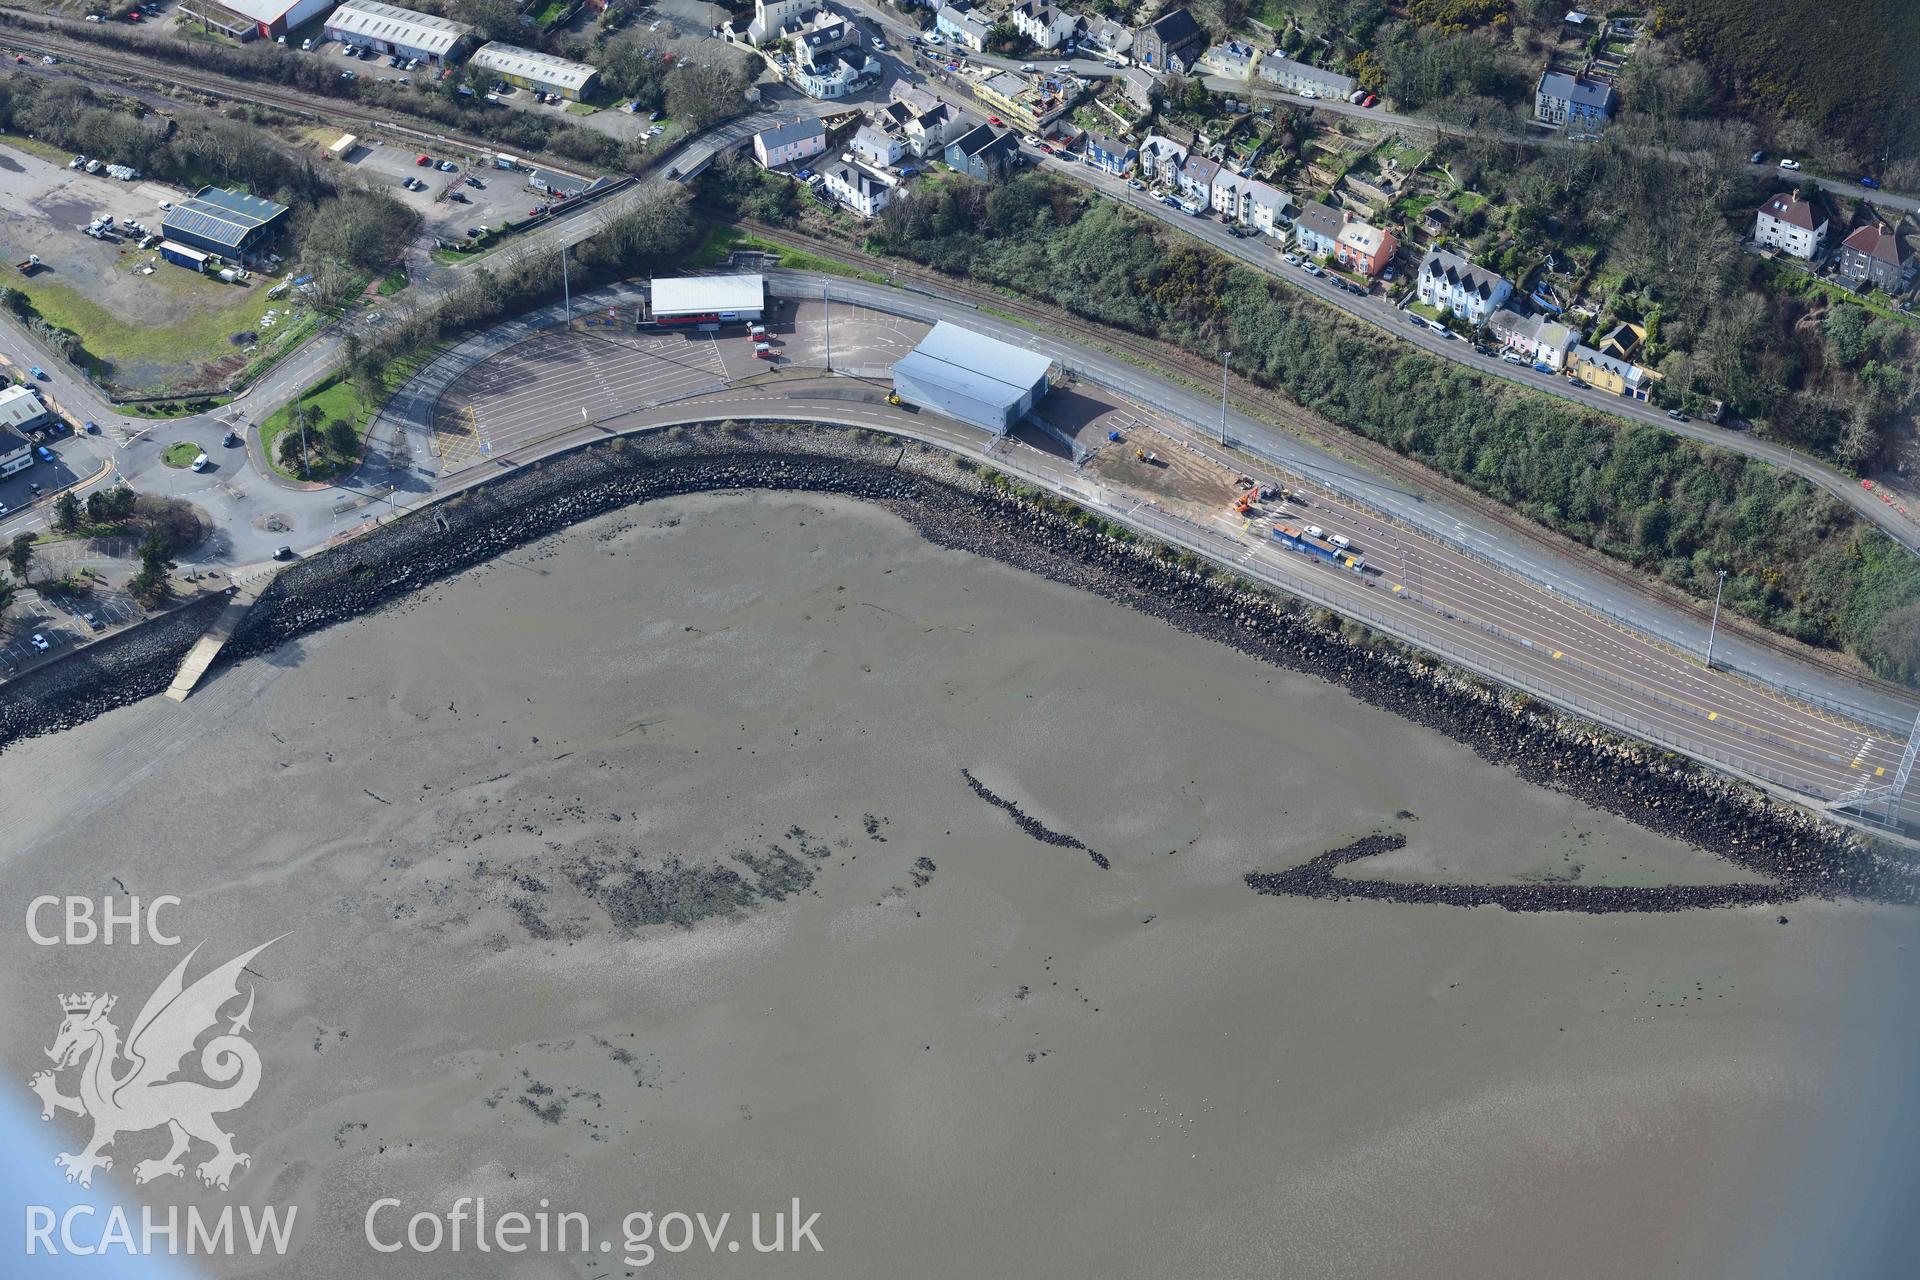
x,y
640,870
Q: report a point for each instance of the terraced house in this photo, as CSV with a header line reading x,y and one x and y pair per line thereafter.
x,y
1448,282
964,27
1573,102
1298,77
1104,151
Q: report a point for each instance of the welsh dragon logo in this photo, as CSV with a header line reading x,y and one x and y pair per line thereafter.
x,y
131,1087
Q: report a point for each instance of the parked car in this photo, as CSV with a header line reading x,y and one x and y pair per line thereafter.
x,y
1677,416
92,428
92,619
1371,100
283,553
996,122
1790,164
1416,321
37,372
1315,531
1341,541
458,197
1758,157
472,181
1872,184
1029,68
40,642
423,160
1032,139
1312,269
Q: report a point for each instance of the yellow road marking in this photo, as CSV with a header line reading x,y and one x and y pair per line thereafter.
x,y
1856,764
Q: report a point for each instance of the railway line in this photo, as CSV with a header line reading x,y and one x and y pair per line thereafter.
x,y
1275,408
328,110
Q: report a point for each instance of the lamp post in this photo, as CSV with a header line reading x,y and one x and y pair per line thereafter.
x,y
1224,357
1715,624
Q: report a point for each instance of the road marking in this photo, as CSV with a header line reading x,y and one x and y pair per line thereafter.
x,y
1880,772
1713,715
1558,654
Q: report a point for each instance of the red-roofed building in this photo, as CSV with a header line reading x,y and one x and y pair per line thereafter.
x,y
1876,255
1788,223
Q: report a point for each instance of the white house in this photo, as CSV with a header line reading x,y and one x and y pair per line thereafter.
x,y
1043,24
1318,228
964,27
1450,283
833,75
1788,223
1298,77
1160,159
773,18
1197,176
860,189
878,147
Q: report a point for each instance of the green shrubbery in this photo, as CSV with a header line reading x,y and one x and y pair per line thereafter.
x,y
1800,562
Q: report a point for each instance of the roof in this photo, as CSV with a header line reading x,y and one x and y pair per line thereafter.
x,y
1277,66
18,407
1581,93
1108,143
686,295
184,250
220,217
374,21
1632,373
1363,236
544,67
1879,243
1109,34
564,183
266,11
1456,270
793,131
829,32
852,175
1789,208
985,368
872,135
981,139
1199,170
1175,26
1322,219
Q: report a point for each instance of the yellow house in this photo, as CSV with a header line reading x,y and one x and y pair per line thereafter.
x,y
1610,373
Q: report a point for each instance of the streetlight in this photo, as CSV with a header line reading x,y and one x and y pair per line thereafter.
x,y
1224,357
1715,624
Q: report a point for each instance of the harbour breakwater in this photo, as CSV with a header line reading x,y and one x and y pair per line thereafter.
x,y
954,504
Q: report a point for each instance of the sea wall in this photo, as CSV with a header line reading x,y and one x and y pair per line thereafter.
x,y
954,504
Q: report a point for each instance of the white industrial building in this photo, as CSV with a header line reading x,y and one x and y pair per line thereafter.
x,y
391,29
968,376
708,299
270,19
531,69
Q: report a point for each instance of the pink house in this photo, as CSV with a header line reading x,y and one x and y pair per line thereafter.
x,y
1364,248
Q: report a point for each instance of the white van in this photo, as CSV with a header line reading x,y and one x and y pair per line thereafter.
x,y
200,462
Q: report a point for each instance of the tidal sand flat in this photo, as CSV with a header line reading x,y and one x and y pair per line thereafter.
x,y
649,868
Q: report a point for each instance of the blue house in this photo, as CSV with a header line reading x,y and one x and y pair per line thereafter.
x,y
1105,151
1564,100
983,153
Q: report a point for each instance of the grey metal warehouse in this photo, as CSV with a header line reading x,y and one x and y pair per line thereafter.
x,y
230,223
391,29
981,381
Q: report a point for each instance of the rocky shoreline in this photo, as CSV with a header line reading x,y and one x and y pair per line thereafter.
x,y
953,504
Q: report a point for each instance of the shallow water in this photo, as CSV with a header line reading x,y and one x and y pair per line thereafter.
x,y
971,1052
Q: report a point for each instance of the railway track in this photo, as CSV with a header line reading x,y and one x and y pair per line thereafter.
x,y
1285,413
327,110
